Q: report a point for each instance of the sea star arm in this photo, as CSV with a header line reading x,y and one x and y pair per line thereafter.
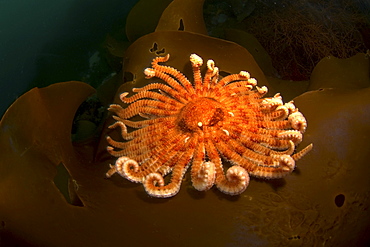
x,y
150,72
151,95
302,153
168,91
283,165
154,183
196,63
271,166
236,179
173,72
202,173
141,107
166,121
155,127
298,121
211,76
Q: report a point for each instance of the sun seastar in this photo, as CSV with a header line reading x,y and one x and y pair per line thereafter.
x,y
207,125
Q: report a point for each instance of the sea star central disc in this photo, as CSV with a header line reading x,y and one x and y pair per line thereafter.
x,y
200,112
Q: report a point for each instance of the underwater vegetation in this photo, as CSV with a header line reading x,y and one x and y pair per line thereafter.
x,y
56,182
296,34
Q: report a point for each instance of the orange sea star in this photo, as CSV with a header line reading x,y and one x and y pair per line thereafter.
x,y
205,125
